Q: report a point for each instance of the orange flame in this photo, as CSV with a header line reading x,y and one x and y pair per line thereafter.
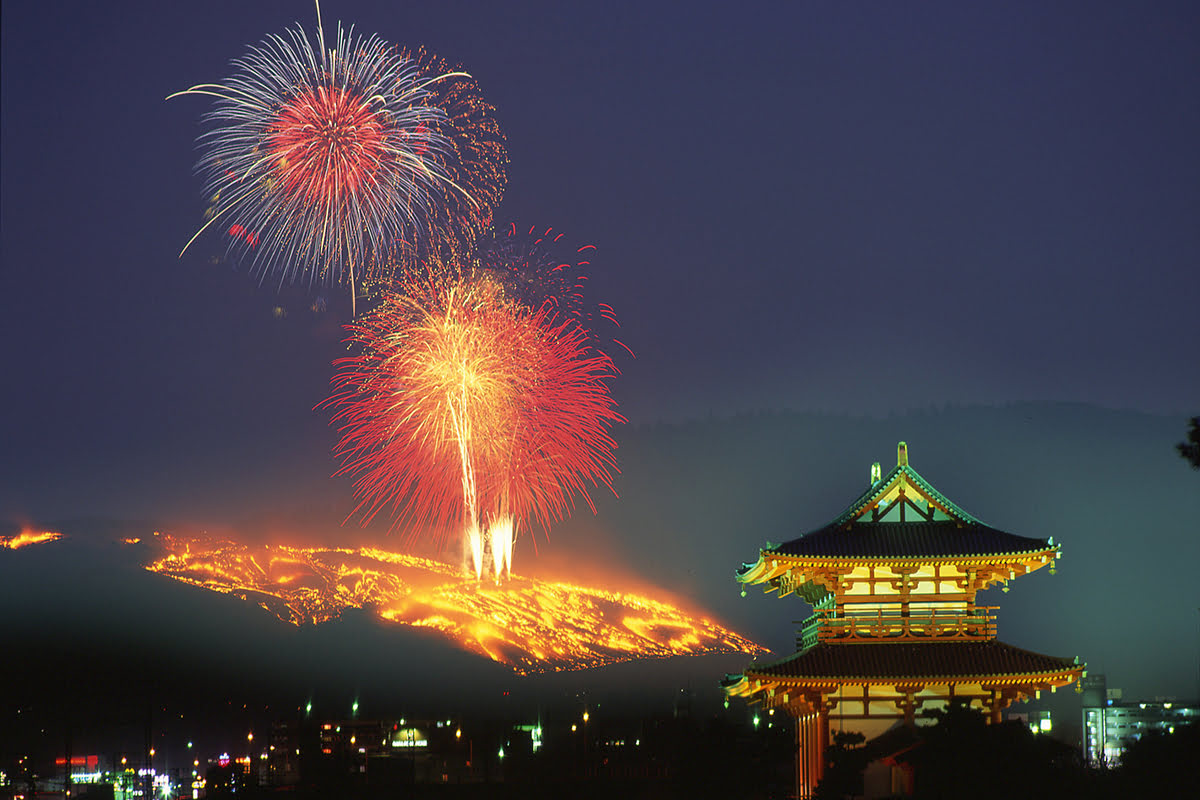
x,y
28,537
528,624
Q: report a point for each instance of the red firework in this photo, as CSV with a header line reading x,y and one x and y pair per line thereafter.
x,y
329,144
464,406
347,157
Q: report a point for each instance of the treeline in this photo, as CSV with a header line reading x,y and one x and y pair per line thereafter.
x,y
962,756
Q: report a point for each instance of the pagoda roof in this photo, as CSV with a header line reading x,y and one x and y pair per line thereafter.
x,y
909,660
935,539
902,472
876,526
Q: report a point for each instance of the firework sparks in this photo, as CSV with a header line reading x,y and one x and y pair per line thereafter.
x,y
528,624
466,411
28,537
540,271
320,160
476,161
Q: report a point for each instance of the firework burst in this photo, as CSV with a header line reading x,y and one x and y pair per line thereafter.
x,y
335,158
466,411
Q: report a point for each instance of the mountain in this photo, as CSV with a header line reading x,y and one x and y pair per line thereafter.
x,y
89,634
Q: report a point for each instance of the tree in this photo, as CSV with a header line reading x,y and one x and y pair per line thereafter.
x,y
845,761
1160,764
1190,450
963,756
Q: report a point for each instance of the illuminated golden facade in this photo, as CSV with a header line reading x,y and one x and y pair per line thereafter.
x,y
895,631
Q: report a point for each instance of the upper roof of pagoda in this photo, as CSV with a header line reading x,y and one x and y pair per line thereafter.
x,y
901,515
938,539
886,487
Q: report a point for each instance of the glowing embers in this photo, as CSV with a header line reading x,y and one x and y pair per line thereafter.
x,y
528,624
28,537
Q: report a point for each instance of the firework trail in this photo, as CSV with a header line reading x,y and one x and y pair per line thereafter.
x,y
467,411
322,161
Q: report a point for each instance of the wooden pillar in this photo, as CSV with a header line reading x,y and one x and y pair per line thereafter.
x,y
808,755
809,783
995,707
802,756
799,752
814,752
822,739
907,703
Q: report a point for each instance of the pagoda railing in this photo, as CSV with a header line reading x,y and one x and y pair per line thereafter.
x,y
848,625
807,634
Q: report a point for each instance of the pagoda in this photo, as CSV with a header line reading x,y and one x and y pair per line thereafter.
x,y
895,631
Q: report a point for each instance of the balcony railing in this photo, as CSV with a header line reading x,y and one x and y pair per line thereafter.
x,y
806,634
924,625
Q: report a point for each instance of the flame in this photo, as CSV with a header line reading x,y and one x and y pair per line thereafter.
x,y
528,624
27,537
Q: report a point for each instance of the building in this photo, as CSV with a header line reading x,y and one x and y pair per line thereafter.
x,y
1110,724
895,631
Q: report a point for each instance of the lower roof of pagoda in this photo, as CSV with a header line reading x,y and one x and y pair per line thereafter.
x,y
937,539
889,662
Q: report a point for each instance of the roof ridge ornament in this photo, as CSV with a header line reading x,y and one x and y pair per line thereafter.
x,y
876,473
901,454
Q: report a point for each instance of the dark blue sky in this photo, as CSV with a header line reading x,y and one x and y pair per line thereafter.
x,y
867,206
860,207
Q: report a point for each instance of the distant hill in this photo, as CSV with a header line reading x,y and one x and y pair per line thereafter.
x,y
697,499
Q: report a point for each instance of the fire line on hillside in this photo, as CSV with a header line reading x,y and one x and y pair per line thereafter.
x,y
529,624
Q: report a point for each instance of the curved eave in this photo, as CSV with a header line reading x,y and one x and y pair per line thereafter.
x,y
771,565
737,686
751,683
767,568
1066,676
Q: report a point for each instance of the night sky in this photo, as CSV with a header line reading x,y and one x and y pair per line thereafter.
x,y
863,209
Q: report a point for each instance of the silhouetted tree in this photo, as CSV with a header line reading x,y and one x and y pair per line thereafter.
x,y
963,756
1160,764
845,761
1190,449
